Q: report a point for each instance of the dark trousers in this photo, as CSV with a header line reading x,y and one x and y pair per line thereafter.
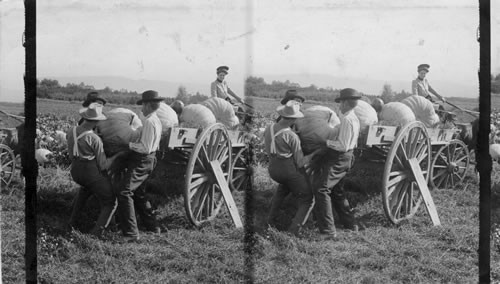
x,y
291,180
139,168
328,189
86,174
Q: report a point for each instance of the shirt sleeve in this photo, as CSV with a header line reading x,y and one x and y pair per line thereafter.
x,y
346,133
229,91
145,144
293,141
414,87
95,142
213,89
431,90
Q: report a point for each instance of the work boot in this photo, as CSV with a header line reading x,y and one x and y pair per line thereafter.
x,y
97,231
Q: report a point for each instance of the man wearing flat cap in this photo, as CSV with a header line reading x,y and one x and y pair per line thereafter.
x,y
333,165
292,95
93,97
420,86
219,87
140,164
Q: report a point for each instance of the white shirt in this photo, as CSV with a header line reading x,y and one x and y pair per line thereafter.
x,y
348,133
150,135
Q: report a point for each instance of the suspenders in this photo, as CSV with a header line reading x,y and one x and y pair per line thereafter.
x,y
76,153
273,136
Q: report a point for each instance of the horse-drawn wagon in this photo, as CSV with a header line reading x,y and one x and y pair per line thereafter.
x,y
8,141
416,158
7,157
215,163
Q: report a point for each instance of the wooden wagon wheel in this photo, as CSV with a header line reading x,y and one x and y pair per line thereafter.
x,y
239,172
400,192
202,194
450,165
7,165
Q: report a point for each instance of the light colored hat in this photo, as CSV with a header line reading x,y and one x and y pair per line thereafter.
x,y
290,110
93,112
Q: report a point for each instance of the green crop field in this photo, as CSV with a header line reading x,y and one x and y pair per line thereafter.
x,y
412,252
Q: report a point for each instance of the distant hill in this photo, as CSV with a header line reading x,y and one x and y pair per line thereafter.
x,y
372,86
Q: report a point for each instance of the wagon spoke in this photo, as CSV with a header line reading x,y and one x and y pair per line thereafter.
x,y
202,204
404,155
442,179
446,181
409,199
210,204
221,152
461,159
425,155
239,179
400,199
397,179
217,144
392,193
422,148
458,176
194,185
195,198
452,178
415,142
204,154
440,167
399,162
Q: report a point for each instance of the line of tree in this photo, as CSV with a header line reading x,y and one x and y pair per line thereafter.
x,y
495,84
257,87
52,89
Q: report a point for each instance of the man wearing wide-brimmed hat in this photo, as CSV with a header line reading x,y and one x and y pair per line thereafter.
x,y
333,165
88,162
420,86
92,98
219,87
140,164
286,162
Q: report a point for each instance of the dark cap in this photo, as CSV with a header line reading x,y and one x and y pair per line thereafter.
x,y
150,96
93,97
291,95
348,94
423,67
222,69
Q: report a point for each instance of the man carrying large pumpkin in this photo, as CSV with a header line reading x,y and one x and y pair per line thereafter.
x,y
140,164
332,166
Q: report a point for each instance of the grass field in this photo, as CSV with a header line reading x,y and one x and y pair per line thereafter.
x,y
413,252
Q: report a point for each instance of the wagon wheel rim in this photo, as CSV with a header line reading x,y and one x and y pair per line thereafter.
x,y
203,198
7,165
450,165
239,173
400,192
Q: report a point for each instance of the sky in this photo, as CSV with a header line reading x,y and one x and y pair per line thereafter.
x,y
184,41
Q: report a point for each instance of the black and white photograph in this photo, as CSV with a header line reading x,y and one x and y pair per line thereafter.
x,y
249,141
